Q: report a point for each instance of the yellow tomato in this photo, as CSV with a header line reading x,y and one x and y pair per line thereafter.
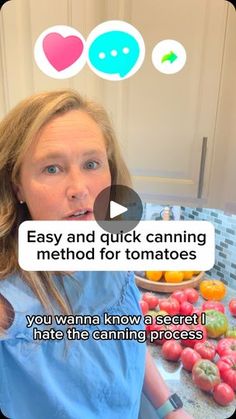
x,y
188,275
154,275
174,276
213,289
161,313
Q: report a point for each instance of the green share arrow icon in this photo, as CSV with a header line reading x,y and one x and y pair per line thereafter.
x,y
169,57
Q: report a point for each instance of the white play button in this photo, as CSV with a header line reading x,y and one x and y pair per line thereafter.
x,y
118,218
116,209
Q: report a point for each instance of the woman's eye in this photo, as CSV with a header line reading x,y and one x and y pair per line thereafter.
x,y
51,169
92,165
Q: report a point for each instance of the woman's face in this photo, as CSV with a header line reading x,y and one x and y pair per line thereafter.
x,y
64,169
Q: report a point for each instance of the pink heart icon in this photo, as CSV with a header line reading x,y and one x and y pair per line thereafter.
x,y
62,52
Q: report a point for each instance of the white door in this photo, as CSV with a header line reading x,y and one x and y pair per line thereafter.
x,y
167,122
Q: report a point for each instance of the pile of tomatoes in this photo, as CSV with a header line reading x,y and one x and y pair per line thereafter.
x,y
212,364
170,276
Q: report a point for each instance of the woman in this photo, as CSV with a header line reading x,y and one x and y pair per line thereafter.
x,y
58,152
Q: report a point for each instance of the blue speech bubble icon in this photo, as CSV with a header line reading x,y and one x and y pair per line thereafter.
x,y
114,52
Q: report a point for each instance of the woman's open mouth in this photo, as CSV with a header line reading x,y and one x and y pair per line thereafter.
x,y
82,215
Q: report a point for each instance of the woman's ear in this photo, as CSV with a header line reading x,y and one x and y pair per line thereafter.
x,y
18,192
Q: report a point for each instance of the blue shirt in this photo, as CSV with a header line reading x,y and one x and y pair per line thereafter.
x,y
96,378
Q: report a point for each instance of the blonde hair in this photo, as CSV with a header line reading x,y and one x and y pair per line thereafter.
x,y
17,131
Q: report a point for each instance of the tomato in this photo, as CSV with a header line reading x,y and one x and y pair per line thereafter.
x,y
151,299
152,328
206,349
192,295
161,313
188,357
188,275
186,308
195,331
147,326
216,323
223,394
205,374
174,276
159,327
171,305
212,289
171,350
227,368
198,312
154,315
213,305
226,346
154,275
231,332
144,307
179,295
232,306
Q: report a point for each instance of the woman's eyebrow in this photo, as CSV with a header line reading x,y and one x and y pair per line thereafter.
x,y
56,155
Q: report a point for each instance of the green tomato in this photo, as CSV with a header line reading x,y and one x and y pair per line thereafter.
x,y
205,374
216,323
152,313
231,332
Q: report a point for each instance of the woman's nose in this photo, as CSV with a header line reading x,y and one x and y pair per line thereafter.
x,y
77,186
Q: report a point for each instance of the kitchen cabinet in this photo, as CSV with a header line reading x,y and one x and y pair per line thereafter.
x,y
165,123
169,120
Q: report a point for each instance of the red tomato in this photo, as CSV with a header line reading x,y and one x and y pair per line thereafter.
x,y
223,394
147,328
158,327
152,336
153,325
227,368
171,350
151,299
205,374
151,313
188,357
226,346
198,312
213,305
194,330
192,295
232,306
179,295
186,308
206,349
170,305
144,307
